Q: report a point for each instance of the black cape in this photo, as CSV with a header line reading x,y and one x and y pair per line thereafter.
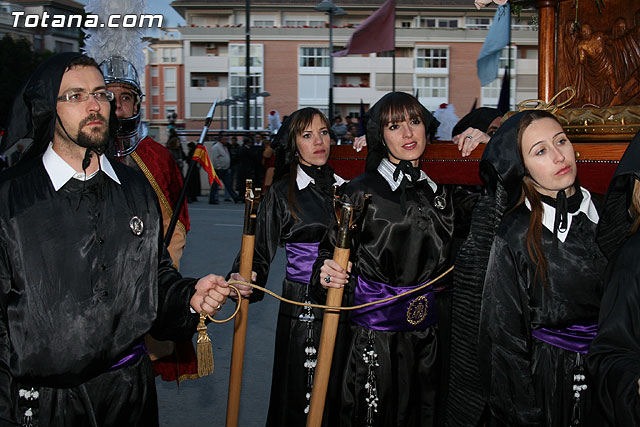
x,y
277,226
614,358
528,382
400,250
78,289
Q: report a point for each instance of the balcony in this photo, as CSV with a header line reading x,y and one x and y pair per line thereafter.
x,y
207,64
205,94
359,64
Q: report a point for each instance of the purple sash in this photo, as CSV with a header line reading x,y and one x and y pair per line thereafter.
x,y
300,259
136,353
576,338
414,312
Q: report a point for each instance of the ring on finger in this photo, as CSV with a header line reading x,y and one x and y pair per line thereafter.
x,y
469,136
219,306
327,279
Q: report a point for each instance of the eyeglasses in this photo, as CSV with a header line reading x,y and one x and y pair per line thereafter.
x,y
75,96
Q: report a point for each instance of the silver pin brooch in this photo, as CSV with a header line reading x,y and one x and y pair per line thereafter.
x,y
136,226
439,202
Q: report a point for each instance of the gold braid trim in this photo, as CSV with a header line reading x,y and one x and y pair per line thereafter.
x,y
156,187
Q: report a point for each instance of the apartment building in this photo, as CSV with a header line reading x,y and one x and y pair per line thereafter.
x,y
43,37
163,84
437,44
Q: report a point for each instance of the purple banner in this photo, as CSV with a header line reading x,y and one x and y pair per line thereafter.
x,y
576,338
300,259
136,353
414,312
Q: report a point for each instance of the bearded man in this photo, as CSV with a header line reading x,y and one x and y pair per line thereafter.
x,y
84,274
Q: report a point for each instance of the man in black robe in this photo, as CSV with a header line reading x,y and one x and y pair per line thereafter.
x,y
84,274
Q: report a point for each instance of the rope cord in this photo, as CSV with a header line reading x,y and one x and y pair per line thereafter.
x,y
325,307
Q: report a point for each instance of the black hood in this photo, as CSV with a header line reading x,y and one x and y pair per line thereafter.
x,y
376,149
480,119
615,220
282,148
501,161
33,113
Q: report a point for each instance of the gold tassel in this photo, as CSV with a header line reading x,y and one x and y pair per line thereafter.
x,y
205,352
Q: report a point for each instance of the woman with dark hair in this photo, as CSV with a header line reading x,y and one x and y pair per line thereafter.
x,y
543,280
406,238
295,213
614,358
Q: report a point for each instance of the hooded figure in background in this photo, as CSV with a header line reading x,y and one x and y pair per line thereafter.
x,y
614,358
83,271
295,214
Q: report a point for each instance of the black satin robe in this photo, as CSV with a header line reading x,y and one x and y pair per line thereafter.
x,y
614,358
78,289
528,382
275,227
400,250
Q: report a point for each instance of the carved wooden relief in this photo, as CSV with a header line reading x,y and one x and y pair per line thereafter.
x,y
600,55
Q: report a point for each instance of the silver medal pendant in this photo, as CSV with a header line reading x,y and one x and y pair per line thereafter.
x,y
439,202
136,226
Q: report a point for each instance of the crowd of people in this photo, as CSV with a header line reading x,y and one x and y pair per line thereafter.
x,y
535,327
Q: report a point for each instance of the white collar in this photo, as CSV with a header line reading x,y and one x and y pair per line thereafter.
x,y
549,214
60,172
386,169
303,179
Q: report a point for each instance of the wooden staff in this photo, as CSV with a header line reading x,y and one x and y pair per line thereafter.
x,y
240,324
346,221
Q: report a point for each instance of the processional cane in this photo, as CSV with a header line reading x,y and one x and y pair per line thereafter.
x,y
252,200
347,216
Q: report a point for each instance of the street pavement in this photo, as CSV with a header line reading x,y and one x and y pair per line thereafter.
x,y
212,245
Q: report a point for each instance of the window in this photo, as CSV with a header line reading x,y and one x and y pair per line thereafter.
x,y
198,81
155,91
313,89
198,49
170,76
504,58
143,113
432,87
256,116
475,23
294,23
432,58
170,94
406,24
238,84
264,23
314,57
237,55
438,22
491,92
317,23
169,54
155,72
155,110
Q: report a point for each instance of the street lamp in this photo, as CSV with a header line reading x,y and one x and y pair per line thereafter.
x,y
332,10
226,103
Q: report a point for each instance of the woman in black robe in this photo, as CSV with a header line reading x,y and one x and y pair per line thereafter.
x,y
406,239
295,213
614,359
543,281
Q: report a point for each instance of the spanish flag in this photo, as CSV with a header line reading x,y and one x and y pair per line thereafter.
x,y
201,156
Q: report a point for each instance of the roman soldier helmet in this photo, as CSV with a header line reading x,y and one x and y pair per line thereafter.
x,y
116,69
119,51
